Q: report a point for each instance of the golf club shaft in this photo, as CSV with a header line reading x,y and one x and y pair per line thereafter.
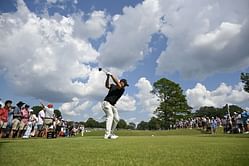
x,y
105,71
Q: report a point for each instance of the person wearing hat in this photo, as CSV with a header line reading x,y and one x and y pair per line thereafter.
x,y
115,92
17,116
49,117
24,121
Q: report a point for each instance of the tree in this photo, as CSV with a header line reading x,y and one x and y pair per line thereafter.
x,y
154,124
122,124
232,109
91,123
57,113
208,111
219,112
173,102
143,126
102,124
36,109
245,79
131,126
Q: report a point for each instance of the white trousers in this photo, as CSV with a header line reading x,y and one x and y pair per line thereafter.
x,y
28,131
112,117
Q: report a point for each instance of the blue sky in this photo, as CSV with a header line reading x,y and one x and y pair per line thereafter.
x,y
50,52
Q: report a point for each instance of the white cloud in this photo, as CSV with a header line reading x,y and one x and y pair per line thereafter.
x,y
75,107
128,43
147,100
210,38
126,103
218,39
93,28
41,56
199,96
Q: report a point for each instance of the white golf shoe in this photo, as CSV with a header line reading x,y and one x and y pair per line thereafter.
x,y
111,136
107,136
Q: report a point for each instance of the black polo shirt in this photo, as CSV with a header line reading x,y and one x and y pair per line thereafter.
x,y
114,94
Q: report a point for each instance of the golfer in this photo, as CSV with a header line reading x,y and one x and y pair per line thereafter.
x,y
115,92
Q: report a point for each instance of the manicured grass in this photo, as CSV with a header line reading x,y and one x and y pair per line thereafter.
x,y
179,147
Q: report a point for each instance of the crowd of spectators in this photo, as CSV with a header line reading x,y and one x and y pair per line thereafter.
x,y
21,121
237,123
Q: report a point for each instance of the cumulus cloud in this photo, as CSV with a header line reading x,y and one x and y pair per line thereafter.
x,y
146,100
126,103
75,107
224,94
42,57
210,38
92,28
128,43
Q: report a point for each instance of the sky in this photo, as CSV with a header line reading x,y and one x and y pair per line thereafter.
x,y
50,52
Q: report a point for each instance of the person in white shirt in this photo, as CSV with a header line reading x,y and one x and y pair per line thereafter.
x,y
31,123
40,122
82,129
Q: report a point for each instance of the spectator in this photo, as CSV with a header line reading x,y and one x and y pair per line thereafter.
x,y
204,123
213,125
24,121
245,120
4,117
31,123
239,123
82,130
40,122
10,118
34,120
17,117
49,115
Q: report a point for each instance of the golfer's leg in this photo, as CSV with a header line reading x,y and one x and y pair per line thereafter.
x,y
106,106
115,118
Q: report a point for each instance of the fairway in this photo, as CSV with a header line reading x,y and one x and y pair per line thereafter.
x,y
164,148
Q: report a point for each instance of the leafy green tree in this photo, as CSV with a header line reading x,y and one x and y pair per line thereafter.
x,y
131,126
36,109
154,124
219,112
232,109
91,123
143,126
122,124
207,111
172,102
57,113
245,79
101,124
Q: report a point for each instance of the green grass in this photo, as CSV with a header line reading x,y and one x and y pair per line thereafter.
x,y
178,147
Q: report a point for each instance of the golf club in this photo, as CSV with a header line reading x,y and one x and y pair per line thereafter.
x,y
101,69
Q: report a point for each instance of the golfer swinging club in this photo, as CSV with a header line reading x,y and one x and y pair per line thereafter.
x,y
115,92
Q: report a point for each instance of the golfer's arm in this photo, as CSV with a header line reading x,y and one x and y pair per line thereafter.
x,y
116,81
107,85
